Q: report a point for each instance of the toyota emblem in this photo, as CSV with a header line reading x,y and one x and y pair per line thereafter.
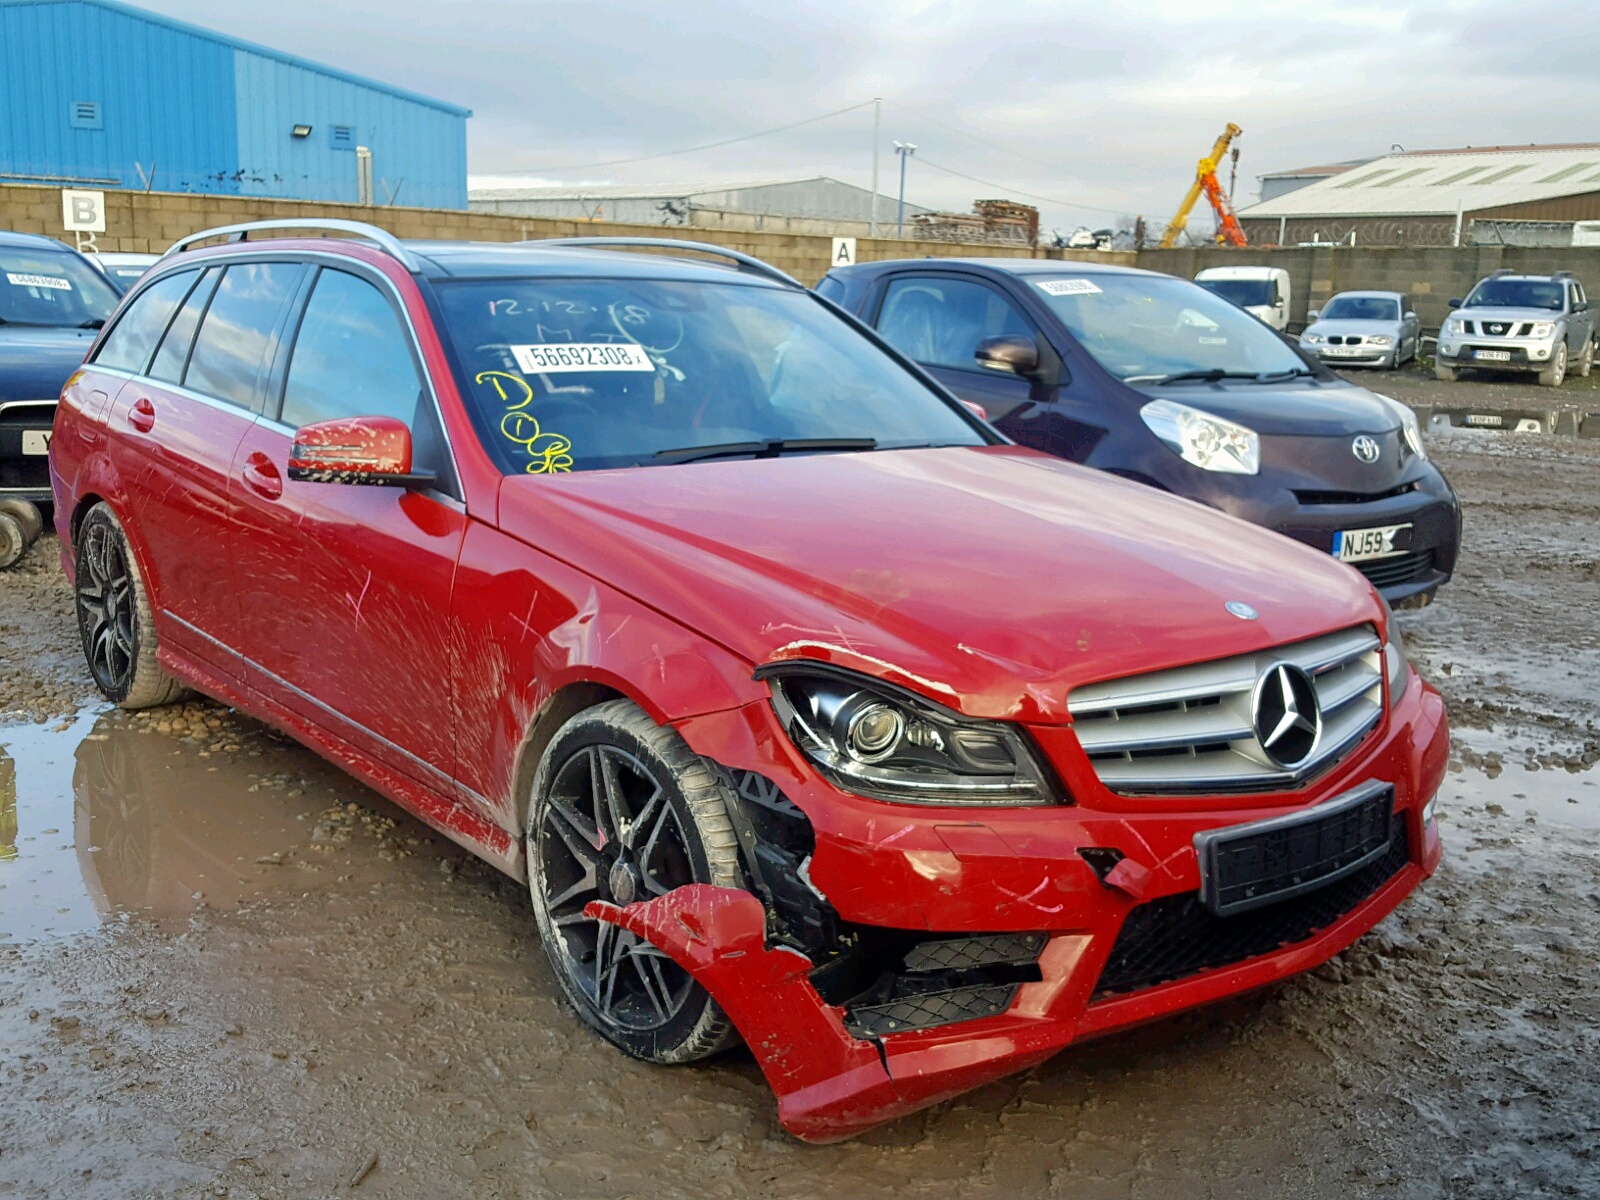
x,y
1366,448
1287,716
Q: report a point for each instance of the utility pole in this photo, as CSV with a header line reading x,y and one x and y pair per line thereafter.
x,y
905,150
877,124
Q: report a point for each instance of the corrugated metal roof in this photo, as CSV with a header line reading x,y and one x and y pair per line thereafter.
x,y
1435,182
636,191
253,48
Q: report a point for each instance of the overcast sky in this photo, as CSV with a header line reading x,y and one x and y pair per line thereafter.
x,y
1104,106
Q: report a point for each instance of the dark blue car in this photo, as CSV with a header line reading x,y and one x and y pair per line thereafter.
x,y
1156,379
51,303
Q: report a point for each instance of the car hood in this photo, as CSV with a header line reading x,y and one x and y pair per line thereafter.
x,y
1340,328
990,579
35,362
1292,409
1508,314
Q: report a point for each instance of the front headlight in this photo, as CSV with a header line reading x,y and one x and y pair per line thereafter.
x,y
1380,339
1394,663
1543,329
883,742
1454,325
1408,425
1311,338
1206,441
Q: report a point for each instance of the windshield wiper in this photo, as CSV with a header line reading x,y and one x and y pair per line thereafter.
x,y
770,448
1208,375
94,323
1291,373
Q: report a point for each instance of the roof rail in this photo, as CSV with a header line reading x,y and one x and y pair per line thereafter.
x,y
741,261
1500,272
381,238
1560,274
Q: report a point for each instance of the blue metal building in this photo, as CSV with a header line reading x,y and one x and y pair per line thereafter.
x,y
95,93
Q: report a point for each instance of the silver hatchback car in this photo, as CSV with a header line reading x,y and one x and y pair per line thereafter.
x,y
1363,329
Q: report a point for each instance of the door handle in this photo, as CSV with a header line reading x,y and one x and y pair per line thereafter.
x,y
261,476
142,416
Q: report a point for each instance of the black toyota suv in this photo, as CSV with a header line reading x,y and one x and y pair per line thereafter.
x,y
1153,378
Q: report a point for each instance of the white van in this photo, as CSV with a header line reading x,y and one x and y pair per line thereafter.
x,y
1261,291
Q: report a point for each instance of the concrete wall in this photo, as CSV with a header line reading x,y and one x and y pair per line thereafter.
x,y
152,221
1429,275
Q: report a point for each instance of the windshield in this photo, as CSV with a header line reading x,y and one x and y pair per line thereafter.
x,y
45,287
1516,293
575,375
1145,328
1361,308
1243,292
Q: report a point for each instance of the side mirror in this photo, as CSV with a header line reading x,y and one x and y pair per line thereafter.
x,y
1313,314
1455,302
363,450
1581,306
1411,316
1019,355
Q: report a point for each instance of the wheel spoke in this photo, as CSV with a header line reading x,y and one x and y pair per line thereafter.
x,y
570,819
587,885
578,842
658,1000
646,813
651,883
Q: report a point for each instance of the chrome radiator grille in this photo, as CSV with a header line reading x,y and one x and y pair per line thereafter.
x,y
1194,729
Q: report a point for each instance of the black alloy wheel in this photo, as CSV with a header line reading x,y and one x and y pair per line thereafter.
x,y
624,812
107,611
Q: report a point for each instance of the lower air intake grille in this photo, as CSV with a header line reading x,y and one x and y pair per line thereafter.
x,y
1176,936
1403,568
930,1009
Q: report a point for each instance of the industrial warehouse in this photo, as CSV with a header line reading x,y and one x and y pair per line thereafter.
x,y
606,601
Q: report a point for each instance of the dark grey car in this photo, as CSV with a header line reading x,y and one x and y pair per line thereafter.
x,y
1158,380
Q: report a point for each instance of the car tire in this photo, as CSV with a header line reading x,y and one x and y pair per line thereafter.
x,y
114,621
1553,375
1585,362
1445,374
14,540
663,823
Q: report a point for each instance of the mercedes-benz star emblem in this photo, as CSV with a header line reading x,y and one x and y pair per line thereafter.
x,y
1241,610
1287,717
1366,448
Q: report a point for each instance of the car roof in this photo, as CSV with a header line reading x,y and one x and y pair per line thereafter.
x,y
1010,266
1534,278
509,260
33,241
1253,272
1369,292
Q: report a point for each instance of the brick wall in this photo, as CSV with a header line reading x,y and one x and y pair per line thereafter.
x,y
152,221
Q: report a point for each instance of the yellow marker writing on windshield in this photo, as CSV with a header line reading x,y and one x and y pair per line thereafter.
x,y
550,452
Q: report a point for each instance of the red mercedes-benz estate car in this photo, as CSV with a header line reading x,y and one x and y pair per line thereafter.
x,y
813,712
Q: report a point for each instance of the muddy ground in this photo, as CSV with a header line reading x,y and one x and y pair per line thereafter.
x,y
227,970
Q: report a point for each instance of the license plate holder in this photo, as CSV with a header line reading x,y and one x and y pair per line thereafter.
x,y
36,441
1246,866
1378,541
1344,351
1492,355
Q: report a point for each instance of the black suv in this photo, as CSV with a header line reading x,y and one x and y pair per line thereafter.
x,y
1153,378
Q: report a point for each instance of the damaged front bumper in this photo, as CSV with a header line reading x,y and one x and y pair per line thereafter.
x,y
935,950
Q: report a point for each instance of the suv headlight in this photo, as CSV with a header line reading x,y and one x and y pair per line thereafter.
x,y
883,742
1543,329
1205,440
1408,425
1455,325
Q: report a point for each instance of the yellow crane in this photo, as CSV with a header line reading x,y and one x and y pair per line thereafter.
x,y
1205,180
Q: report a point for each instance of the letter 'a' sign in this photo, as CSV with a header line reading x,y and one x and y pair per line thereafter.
x,y
844,252
83,212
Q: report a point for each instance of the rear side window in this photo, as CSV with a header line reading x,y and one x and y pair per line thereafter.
x,y
240,331
940,321
831,288
351,358
127,347
173,355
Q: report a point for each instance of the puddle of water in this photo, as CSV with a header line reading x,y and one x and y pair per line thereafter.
x,y
100,816
1556,795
